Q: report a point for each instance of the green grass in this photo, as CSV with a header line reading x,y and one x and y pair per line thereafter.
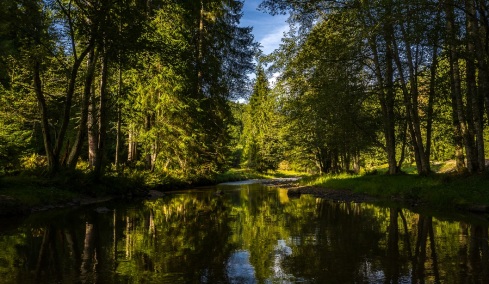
x,y
442,190
34,191
31,190
437,190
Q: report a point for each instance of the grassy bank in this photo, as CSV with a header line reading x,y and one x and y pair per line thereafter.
x,y
34,191
243,174
441,190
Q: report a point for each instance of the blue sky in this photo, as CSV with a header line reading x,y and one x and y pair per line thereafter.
x,y
267,29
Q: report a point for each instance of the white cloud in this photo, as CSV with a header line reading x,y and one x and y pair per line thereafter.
x,y
271,40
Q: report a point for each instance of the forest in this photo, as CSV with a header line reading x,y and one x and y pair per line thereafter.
x,y
164,87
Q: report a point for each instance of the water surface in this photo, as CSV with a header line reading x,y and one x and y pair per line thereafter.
x,y
248,234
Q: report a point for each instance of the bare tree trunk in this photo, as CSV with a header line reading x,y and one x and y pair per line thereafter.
x,y
53,162
69,100
200,39
457,114
132,146
356,161
386,98
92,129
431,98
82,128
102,119
411,102
147,125
119,122
473,101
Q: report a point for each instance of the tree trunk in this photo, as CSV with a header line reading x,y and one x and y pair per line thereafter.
x,y
132,146
199,48
473,101
119,122
431,98
92,128
390,135
69,100
82,128
455,88
386,99
411,103
53,162
102,119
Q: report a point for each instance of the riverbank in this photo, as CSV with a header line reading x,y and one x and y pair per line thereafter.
x,y
23,194
438,191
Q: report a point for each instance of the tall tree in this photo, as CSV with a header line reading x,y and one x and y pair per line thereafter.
x,y
261,146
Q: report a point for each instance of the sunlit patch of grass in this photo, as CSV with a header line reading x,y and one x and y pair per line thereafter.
x,y
438,190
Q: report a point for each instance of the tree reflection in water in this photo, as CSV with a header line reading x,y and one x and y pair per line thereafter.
x,y
250,234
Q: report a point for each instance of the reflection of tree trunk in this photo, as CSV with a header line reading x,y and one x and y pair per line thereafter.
x,y
392,271
87,269
485,254
152,227
128,237
406,234
73,250
42,252
49,255
425,229
114,230
478,253
419,253
462,252
434,256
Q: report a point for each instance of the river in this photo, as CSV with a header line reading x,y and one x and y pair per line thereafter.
x,y
242,233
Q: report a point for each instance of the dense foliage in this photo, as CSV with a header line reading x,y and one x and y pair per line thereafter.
x,y
384,81
131,83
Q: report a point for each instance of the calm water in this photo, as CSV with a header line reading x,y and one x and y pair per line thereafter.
x,y
250,234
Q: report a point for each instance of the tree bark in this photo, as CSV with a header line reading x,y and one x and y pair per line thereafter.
x,y
132,145
82,128
53,162
102,118
473,101
411,101
119,122
69,100
386,99
455,89
431,98
92,129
